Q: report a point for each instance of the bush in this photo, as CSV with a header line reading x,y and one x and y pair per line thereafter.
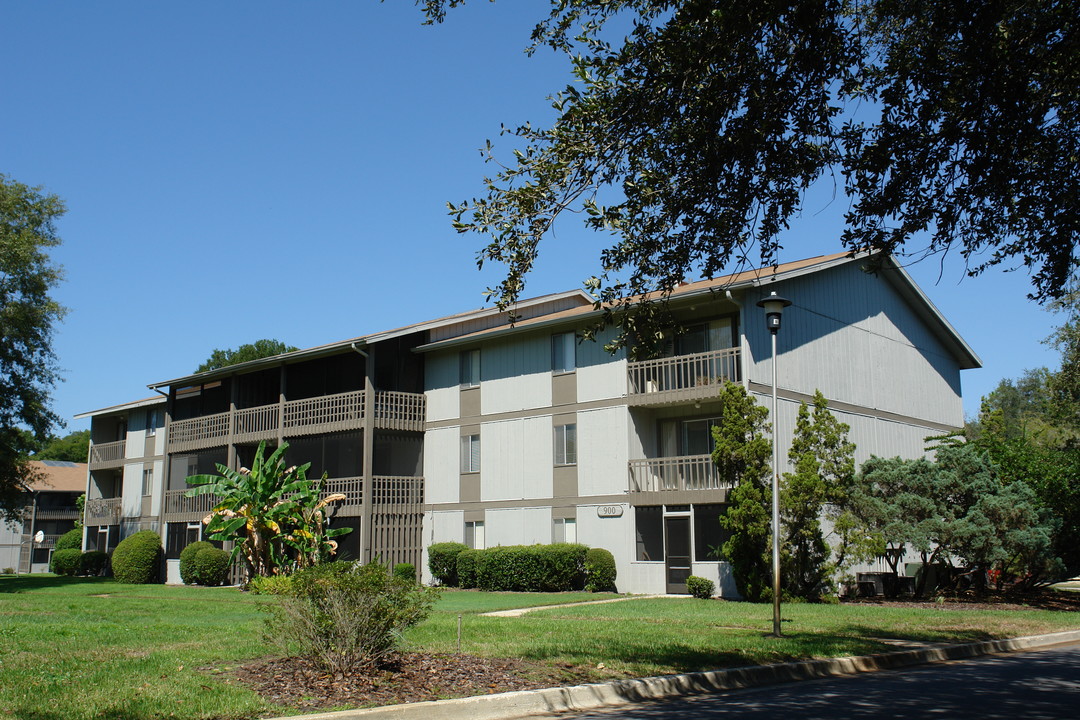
x,y
65,562
71,540
700,587
600,571
7,571
442,562
405,571
467,560
531,568
137,559
270,585
94,563
347,617
210,566
187,561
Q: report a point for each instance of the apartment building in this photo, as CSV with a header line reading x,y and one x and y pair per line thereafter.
x,y
466,428
50,509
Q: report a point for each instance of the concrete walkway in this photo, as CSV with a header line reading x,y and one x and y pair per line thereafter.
x,y
518,612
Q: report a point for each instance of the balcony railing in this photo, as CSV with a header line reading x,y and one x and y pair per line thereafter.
x,y
309,416
353,489
682,378
689,472
103,511
179,508
105,455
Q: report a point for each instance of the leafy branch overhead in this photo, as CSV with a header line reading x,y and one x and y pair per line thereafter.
x,y
693,138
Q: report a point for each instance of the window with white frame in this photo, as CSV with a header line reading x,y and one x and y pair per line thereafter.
x,y
474,534
470,453
147,481
563,352
564,530
469,361
566,444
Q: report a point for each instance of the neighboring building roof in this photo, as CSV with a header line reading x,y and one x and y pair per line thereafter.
x,y
58,476
113,409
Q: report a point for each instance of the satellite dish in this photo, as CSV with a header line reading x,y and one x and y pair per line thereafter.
x,y
39,537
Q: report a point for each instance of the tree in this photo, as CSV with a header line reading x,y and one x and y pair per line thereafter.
x,y
741,451
824,467
28,313
245,353
267,510
1064,385
693,129
73,447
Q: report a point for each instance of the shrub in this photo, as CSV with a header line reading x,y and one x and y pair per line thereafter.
x,y
532,568
270,585
7,571
210,566
94,563
71,540
467,560
442,562
405,571
700,587
187,561
65,562
347,617
600,571
137,559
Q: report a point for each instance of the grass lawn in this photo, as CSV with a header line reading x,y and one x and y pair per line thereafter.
x,y
73,649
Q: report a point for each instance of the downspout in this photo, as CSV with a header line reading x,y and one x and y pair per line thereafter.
x,y
744,347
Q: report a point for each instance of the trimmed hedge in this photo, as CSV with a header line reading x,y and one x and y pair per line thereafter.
x,y
65,562
71,540
270,585
405,571
187,561
532,568
210,566
467,560
443,562
600,570
137,559
700,587
94,563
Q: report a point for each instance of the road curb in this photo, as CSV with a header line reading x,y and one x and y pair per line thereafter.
x,y
506,706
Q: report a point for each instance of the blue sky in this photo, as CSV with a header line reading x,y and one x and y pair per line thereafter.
x,y
241,170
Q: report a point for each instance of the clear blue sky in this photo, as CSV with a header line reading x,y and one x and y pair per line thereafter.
x,y
242,170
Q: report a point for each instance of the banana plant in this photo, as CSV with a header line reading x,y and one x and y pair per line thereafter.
x,y
263,510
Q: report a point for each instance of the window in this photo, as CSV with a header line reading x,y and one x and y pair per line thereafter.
x,y
151,423
563,352
566,445
474,534
147,481
470,453
649,523
470,368
564,530
708,535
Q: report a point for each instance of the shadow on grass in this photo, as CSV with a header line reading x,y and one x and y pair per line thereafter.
x,y
29,583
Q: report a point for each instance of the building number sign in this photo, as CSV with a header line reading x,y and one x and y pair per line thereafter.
x,y
609,511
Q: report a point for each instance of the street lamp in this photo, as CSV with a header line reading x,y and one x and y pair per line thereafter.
x,y
774,308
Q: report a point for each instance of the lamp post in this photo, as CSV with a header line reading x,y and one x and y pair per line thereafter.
x,y
774,308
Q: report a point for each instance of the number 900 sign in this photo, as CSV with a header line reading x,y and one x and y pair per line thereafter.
x,y
608,511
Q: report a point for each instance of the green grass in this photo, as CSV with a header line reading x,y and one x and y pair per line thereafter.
x,y
82,649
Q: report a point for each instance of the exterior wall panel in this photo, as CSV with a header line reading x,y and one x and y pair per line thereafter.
x,y
602,447
441,468
516,374
516,459
441,386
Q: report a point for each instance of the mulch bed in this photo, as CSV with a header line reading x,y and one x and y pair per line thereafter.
x,y
408,677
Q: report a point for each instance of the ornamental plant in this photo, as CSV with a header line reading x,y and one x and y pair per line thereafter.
x,y
268,510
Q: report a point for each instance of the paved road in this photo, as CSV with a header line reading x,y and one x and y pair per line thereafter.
x,y
1023,686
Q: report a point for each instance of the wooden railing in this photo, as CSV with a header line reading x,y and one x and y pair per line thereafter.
x,y
353,489
193,508
689,472
309,416
103,511
684,377
399,411
106,454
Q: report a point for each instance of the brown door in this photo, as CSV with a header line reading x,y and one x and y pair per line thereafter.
x,y
677,553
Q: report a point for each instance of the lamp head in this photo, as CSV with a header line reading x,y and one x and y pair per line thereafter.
x,y
774,308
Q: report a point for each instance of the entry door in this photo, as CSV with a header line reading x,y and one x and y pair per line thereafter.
x,y
677,557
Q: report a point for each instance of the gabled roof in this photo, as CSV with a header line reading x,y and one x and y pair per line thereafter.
x,y
58,476
124,407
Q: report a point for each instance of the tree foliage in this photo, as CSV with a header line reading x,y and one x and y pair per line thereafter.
x,y
742,450
693,136
73,447
275,515
245,353
28,314
824,467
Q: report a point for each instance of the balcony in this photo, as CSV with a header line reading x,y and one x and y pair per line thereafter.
x,y
685,479
684,378
103,511
107,455
310,416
